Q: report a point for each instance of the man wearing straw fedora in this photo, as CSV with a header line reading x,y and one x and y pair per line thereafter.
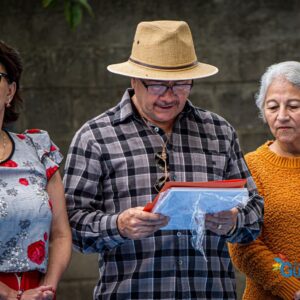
x,y
119,161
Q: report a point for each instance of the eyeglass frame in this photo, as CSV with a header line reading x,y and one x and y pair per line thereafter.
x,y
159,183
167,87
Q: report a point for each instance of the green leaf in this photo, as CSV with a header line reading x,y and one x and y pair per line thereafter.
x,y
73,13
47,3
87,7
73,10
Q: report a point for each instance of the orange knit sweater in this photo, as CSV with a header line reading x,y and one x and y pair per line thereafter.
x,y
278,181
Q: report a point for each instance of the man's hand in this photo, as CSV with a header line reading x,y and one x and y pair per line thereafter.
x,y
297,295
134,223
223,222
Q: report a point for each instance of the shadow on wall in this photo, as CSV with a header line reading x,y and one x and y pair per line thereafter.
x,y
79,280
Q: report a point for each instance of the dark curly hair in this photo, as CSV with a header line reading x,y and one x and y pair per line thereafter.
x,y
10,59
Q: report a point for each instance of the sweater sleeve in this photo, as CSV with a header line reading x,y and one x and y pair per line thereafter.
x,y
256,260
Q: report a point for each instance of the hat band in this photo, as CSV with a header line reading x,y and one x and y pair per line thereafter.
x,y
163,68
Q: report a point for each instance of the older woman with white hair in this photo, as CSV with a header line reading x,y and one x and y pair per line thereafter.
x,y
272,262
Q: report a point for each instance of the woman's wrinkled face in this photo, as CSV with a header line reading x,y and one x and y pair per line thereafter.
x,y
282,111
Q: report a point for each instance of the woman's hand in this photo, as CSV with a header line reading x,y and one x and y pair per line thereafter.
x,y
44,292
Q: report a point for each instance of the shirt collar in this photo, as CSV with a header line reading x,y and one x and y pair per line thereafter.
x,y
124,108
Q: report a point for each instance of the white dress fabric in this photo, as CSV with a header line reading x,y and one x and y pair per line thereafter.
x,y
25,207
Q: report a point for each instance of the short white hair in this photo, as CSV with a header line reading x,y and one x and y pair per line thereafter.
x,y
288,70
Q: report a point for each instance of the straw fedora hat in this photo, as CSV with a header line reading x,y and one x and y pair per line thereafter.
x,y
163,50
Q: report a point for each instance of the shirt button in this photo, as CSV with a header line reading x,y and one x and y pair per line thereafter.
x,y
156,129
179,234
174,177
180,262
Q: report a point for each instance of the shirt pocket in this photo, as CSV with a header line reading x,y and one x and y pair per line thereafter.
x,y
208,165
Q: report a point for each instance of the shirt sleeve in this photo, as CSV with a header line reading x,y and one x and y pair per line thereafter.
x,y
92,229
250,218
47,151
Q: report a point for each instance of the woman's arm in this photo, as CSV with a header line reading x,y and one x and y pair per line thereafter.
x,y
60,237
6,292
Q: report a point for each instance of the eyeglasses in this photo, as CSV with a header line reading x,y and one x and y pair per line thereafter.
x,y
3,75
159,89
162,161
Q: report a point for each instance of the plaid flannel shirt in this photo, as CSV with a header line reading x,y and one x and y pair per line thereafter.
x,y
111,167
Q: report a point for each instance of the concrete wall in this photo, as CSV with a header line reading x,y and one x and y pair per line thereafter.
x,y
65,80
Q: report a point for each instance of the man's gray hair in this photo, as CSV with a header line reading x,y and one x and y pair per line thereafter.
x,y
288,70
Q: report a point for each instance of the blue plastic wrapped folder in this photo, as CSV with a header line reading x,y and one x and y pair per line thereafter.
x,y
180,203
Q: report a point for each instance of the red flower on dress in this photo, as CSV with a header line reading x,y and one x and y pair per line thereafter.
x,y
10,164
33,131
36,252
52,148
21,136
23,181
50,204
50,171
45,236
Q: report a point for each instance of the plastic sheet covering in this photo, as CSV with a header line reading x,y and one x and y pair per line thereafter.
x,y
187,207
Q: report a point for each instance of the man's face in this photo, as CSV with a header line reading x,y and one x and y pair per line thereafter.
x,y
160,101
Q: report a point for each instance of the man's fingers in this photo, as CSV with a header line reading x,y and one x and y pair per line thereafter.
x,y
220,229
222,216
148,216
135,223
143,231
158,221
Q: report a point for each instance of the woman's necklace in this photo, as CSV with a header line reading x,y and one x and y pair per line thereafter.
x,y
3,138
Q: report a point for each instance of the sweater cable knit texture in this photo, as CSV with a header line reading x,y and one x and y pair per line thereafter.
x,y
278,181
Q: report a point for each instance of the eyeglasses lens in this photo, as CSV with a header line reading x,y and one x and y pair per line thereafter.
x,y
160,89
160,182
162,165
180,89
161,162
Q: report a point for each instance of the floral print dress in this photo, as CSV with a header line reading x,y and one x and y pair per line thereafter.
x,y
25,207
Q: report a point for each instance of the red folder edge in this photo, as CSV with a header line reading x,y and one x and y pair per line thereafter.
x,y
230,183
